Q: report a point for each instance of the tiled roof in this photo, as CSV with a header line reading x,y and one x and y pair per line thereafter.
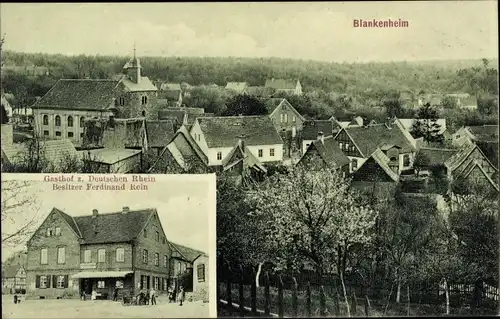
x,y
383,161
54,151
144,85
109,156
281,84
10,271
79,94
437,156
160,132
260,91
172,112
408,124
330,152
71,222
239,87
456,159
170,95
358,120
311,128
188,254
124,133
243,153
273,104
485,133
112,227
369,138
170,87
225,131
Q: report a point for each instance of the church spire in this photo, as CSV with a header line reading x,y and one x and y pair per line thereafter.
x,y
134,51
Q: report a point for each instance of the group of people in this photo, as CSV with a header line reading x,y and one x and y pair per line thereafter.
x,y
175,295
146,297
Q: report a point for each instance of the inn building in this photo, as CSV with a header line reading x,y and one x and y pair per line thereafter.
x,y
70,255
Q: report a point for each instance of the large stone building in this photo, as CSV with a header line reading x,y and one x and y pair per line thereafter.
x,y
68,256
62,111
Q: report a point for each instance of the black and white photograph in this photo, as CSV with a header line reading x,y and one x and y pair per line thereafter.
x,y
79,246
353,145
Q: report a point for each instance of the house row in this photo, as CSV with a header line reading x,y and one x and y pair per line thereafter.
x,y
74,255
13,278
271,86
462,100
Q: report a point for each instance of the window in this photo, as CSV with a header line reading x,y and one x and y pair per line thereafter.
x,y
201,272
70,134
60,282
58,120
406,160
346,146
354,164
165,284
121,101
271,152
144,282
157,283
43,256
165,261
49,232
101,255
340,145
120,254
61,255
58,133
46,133
144,100
286,118
43,281
163,238
219,156
82,119
157,259
101,284
145,256
293,118
145,233
45,120
87,255
261,152
157,237
281,118
70,121
58,231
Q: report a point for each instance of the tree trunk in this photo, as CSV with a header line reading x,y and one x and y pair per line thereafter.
x,y
345,293
258,274
447,294
398,292
408,299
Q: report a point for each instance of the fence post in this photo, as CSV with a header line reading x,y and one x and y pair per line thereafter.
x,y
267,296
295,303
308,299
280,297
253,296
354,304
240,288
228,289
367,306
322,301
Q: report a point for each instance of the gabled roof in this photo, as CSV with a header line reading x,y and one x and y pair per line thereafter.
x,y
160,132
113,227
225,131
281,84
54,151
311,129
408,124
85,94
484,133
437,156
188,254
170,87
476,167
368,138
357,121
144,85
172,112
459,157
10,271
238,87
169,95
242,153
330,152
274,104
383,161
71,222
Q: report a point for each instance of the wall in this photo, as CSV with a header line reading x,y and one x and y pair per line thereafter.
x,y
110,262
76,129
278,152
401,161
212,155
7,134
133,105
201,288
196,132
69,240
288,123
361,161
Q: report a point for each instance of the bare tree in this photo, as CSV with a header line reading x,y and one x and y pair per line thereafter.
x,y
16,201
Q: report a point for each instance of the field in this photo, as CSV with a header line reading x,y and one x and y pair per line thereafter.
x,y
71,308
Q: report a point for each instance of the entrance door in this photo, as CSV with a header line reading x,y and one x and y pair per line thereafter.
x,y
87,286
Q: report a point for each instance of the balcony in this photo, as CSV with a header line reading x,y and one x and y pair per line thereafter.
x,y
88,265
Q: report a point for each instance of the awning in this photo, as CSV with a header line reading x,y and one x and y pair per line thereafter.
x,y
101,274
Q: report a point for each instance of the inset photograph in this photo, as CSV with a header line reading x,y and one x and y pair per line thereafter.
x,y
89,246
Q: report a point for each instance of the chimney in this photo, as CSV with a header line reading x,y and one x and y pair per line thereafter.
x,y
242,144
321,137
94,213
125,209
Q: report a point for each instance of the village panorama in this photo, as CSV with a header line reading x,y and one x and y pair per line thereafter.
x,y
343,189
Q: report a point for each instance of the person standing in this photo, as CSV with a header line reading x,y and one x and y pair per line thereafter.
x,y
152,296
181,295
115,294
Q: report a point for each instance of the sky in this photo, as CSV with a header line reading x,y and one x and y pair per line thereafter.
x,y
185,205
312,31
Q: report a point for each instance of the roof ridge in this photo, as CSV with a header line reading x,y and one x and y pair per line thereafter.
x,y
237,116
94,80
144,210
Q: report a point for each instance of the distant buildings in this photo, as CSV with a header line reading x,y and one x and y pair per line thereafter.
x,y
285,86
13,278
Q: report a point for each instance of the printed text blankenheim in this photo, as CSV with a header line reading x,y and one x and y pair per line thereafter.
x,y
360,23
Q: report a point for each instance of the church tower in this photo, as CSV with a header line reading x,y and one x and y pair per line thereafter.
x,y
133,69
